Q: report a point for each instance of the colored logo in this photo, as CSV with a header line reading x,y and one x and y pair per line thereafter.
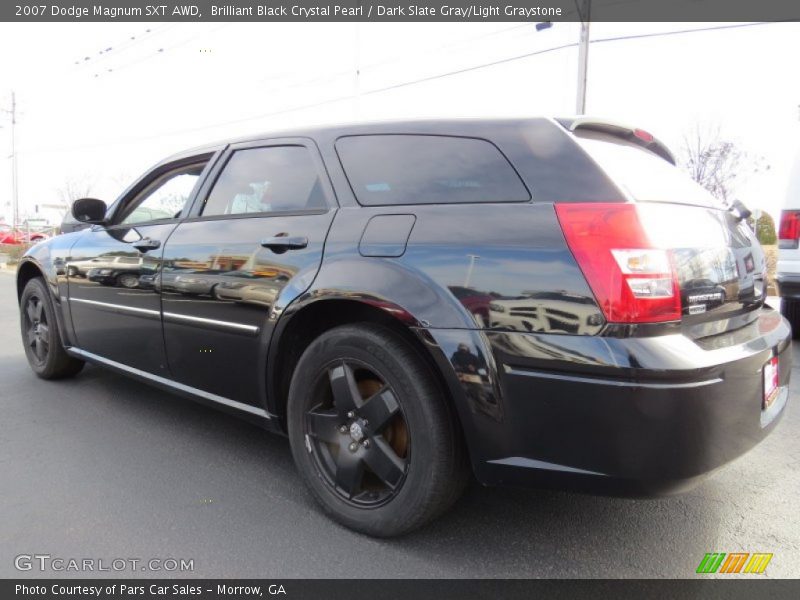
x,y
734,562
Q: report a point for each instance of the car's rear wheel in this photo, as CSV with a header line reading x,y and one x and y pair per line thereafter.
x,y
372,433
43,346
791,310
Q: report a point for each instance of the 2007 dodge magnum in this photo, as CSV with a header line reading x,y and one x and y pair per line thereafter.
x,y
532,301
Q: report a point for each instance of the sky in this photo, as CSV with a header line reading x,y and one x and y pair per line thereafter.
x,y
99,103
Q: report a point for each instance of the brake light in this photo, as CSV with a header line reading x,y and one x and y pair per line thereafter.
x,y
789,230
633,280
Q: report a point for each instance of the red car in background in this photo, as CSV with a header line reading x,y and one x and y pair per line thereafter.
x,y
475,302
14,235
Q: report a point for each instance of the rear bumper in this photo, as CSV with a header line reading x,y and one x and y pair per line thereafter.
x,y
638,415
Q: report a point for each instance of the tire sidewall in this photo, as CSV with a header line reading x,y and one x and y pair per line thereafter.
x,y
417,398
37,287
789,309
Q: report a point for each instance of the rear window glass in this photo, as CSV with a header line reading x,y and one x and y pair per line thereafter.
x,y
644,175
425,169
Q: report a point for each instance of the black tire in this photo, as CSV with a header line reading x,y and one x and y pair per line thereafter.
x,y
417,450
40,335
791,310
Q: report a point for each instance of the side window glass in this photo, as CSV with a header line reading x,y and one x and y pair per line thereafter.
x,y
165,198
264,180
386,170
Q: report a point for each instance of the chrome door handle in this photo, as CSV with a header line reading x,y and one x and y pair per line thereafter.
x,y
280,244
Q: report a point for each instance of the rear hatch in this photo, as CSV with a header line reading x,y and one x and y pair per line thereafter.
x,y
718,268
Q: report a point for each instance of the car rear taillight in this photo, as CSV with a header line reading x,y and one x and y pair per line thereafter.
x,y
633,280
789,230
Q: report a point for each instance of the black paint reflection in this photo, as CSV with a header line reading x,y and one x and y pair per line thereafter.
x,y
114,304
475,369
225,276
471,371
552,312
515,275
219,290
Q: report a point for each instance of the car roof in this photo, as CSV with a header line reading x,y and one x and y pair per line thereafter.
x,y
462,127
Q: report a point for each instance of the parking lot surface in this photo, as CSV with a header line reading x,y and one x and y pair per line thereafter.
x,y
103,467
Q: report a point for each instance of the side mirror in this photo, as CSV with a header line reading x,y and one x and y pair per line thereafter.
x,y
89,210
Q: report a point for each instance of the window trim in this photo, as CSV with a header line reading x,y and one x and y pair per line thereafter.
x,y
436,135
131,206
119,208
203,194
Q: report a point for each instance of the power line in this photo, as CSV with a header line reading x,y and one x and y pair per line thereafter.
x,y
114,49
161,51
393,60
413,82
494,63
554,49
637,36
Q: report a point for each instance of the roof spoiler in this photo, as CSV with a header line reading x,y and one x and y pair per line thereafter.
x,y
631,134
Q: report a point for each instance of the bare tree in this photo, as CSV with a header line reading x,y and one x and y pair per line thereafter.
x,y
121,180
75,187
717,164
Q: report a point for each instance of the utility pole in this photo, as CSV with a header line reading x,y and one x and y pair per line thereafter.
x,y
468,278
583,54
13,157
14,176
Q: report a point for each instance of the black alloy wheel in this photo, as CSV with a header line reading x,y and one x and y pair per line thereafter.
x,y
372,432
360,438
43,347
36,328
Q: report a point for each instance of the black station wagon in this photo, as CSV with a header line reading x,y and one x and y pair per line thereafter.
x,y
530,301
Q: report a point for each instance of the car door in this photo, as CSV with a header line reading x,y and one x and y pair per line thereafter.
x,y
115,309
256,232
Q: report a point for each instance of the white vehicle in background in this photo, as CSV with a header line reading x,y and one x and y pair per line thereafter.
x,y
788,269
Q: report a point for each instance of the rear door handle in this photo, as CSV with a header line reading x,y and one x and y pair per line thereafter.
x,y
146,244
280,244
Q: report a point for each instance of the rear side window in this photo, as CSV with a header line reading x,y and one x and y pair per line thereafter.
x,y
426,169
642,174
265,180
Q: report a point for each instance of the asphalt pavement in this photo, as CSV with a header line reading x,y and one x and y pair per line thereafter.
x,y
101,467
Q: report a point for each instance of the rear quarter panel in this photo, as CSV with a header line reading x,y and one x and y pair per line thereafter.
x,y
465,262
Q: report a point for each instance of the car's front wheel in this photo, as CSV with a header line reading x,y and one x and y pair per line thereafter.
x,y
372,433
43,346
